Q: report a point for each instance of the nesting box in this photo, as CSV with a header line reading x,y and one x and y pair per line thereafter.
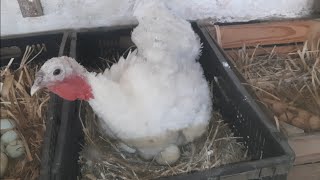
x,y
268,50
271,156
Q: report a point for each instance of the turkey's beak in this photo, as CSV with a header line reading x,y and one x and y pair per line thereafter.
x,y
34,89
37,85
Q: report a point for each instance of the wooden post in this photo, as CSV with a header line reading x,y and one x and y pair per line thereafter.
x,y
30,8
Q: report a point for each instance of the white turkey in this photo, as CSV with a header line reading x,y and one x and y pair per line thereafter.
x,y
155,99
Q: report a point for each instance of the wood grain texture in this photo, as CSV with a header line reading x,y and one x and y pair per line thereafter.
x,y
306,148
305,172
30,8
267,33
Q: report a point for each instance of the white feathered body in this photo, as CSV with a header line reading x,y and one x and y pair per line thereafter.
x,y
158,90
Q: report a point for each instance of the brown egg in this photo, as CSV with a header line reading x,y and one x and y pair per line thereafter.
x,y
278,108
286,117
298,122
314,122
304,114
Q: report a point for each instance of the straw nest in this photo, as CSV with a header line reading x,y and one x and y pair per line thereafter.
x,y
27,112
100,158
289,84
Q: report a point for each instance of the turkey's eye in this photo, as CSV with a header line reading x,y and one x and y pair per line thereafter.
x,y
56,72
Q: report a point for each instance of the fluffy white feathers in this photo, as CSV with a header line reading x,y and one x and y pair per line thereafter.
x,y
162,36
156,98
159,87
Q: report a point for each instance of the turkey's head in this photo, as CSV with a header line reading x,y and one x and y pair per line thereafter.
x,y
64,77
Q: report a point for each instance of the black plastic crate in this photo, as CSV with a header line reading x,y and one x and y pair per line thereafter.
x,y
271,155
54,44
64,165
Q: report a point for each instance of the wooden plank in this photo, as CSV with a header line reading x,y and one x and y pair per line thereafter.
x,y
306,148
30,8
305,172
267,33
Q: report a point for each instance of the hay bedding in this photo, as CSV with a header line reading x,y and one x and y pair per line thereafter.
x,y
27,112
289,84
101,159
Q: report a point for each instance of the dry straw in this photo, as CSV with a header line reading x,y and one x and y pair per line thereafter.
x,y
28,113
287,83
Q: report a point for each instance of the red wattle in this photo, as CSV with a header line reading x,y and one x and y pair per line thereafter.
x,y
73,88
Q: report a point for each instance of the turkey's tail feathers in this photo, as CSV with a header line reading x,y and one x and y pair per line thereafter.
x,y
162,36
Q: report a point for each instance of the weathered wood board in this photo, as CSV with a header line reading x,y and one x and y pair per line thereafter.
x,y
305,172
268,33
306,148
30,8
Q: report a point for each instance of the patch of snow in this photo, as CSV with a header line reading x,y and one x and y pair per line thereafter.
x,y
66,14
226,65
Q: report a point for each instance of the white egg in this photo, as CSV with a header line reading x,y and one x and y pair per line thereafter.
x,y
3,148
3,164
15,149
6,125
8,137
169,155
